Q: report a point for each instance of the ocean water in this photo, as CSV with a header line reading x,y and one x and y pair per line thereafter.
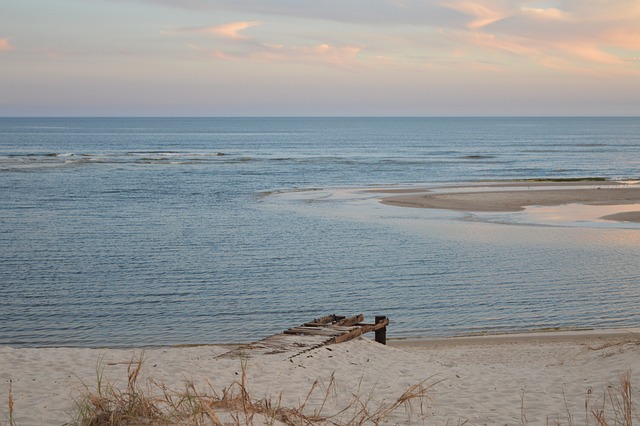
x,y
154,231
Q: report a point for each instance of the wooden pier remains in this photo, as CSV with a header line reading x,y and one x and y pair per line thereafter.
x,y
330,329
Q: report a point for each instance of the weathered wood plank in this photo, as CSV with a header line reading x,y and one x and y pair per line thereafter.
x,y
343,329
351,321
317,331
325,320
302,328
348,336
363,328
376,326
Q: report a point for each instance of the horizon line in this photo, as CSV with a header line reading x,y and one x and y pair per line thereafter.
x,y
314,116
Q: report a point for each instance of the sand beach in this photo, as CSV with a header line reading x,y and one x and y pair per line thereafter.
x,y
485,380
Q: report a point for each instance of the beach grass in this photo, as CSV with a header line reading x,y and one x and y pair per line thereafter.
x,y
153,403
145,401
615,407
105,405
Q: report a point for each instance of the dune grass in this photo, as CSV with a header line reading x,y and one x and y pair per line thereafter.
x,y
153,403
147,402
614,407
105,405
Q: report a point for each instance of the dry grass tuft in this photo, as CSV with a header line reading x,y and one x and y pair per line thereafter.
x,y
155,404
11,420
615,407
107,405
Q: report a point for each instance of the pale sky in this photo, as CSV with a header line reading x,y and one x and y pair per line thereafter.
x,y
319,58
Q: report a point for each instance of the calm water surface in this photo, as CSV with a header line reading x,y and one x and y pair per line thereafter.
x,y
126,232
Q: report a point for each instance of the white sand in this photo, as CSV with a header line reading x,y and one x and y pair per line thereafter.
x,y
480,380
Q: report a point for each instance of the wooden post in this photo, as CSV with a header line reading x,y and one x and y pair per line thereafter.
x,y
381,335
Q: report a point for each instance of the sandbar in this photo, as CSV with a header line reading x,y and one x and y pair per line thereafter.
x,y
624,217
514,197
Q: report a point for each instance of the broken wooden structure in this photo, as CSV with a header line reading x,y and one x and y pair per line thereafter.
x,y
341,328
320,332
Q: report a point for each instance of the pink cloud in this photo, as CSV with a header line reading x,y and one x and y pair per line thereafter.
x,y
483,13
510,45
498,34
5,45
551,13
590,52
231,30
245,48
338,56
625,38
576,37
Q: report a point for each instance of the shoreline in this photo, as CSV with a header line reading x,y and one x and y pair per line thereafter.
x,y
521,335
577,335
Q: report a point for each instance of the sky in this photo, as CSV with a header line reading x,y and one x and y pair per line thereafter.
x,y
319,58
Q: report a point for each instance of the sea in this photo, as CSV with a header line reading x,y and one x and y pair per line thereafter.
x,y
131,232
